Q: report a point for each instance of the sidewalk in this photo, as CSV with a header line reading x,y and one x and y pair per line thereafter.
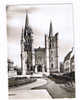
x,y
29,94
37,83
24,92
56,91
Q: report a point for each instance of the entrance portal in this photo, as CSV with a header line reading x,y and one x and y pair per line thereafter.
x,y
39,68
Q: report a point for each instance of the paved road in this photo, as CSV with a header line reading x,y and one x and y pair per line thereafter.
x,y
29,94
24,92
42,88
57,90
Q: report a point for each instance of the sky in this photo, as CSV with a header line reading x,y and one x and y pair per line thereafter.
x,y
39,20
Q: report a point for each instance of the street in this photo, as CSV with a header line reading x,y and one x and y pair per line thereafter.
x,y
42,88
24,92
57,90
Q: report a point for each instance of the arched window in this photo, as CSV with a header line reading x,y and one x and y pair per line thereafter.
x,y
39,68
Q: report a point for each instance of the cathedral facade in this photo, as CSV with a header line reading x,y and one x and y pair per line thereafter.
x,y
38,59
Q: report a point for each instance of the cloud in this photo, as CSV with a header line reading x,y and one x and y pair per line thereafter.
x,y
20,9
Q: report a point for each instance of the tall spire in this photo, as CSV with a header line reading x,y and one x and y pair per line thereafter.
x,y
50,29
22,35
26,21
26,24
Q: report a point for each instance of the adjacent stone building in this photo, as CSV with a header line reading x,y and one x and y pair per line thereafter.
x,y
43,59
11,71
69,62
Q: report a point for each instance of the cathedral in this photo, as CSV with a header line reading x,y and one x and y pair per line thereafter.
x,y
38,59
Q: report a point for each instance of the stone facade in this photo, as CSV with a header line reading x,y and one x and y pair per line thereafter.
x,y
26,48
43,59
11,71
53,51
40,60
69,62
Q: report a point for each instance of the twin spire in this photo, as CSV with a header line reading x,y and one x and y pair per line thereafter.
x,y
27,23
50,28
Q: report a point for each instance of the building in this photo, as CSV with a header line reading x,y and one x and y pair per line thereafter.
x,y
26,48
69,62
72,64
11,71
38,59
53,50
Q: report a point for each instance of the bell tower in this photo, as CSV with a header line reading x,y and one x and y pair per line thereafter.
x,y
28,43
53,50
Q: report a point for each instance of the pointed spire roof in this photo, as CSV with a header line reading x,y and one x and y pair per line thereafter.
x,y
26,24
26,21
50,29
22,35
